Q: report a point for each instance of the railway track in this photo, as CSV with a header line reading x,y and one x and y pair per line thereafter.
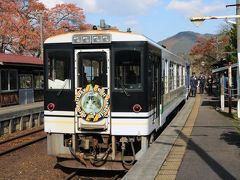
x,y
81,174
22,140
95,175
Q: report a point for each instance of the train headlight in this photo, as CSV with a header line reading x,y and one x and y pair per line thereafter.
x,y
137,108
76,39
51,106
91,38
81,39
96,39
86,39
101,38
106,38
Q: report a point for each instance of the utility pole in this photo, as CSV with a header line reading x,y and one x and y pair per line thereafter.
x,y
200,19
230,88
238,55
41,34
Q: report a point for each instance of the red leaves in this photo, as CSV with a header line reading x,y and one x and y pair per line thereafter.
x,y
65,17
210,50
20,24
209,46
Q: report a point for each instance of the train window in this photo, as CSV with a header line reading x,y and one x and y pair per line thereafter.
x,y
180,75
59,70
166,76
174,76
183,75
127,69
177,76
8,80
92,68
171,76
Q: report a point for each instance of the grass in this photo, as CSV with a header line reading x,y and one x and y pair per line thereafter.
x,y
236,121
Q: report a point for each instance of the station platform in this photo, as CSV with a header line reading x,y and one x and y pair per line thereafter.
x,y
16,109
20,117
200,143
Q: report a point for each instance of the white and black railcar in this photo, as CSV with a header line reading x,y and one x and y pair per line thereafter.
x,y
106,95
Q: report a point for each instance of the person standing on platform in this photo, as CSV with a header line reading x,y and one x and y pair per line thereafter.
x,y
193,84
209,83
201,83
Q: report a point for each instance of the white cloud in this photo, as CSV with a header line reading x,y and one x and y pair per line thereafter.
x,y
130,7
111,7
89,6
196,7
51,3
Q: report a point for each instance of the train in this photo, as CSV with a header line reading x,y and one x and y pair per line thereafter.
x,y
106,95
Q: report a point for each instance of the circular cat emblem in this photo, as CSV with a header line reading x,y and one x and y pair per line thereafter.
x,y
92,103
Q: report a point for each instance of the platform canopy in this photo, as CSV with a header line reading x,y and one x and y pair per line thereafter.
x,y
19,59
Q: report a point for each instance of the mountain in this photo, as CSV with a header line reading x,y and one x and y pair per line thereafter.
x,y
182,42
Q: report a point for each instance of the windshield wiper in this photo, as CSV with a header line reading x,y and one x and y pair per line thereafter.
x,y
123,87
63,86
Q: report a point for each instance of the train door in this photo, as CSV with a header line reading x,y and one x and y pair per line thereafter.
x,y
92,92
156,89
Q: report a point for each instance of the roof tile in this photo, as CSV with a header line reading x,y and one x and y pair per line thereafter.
x,y
19,59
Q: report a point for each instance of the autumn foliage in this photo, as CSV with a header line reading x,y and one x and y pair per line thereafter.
x,y
20,30
208,50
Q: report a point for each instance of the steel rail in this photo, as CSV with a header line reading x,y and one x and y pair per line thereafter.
x,y
115,176
72,175
21,145
20,136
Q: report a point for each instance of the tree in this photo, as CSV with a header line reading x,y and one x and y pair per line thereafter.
x,y
64,18
208,50
18,20
231,48
20,24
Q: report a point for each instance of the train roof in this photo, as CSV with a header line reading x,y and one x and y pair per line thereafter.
x,y
116,36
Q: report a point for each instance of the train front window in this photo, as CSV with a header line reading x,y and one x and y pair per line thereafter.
x,y
92,69
127,70
59,70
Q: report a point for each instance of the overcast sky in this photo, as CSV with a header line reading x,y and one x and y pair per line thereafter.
x,y
156,19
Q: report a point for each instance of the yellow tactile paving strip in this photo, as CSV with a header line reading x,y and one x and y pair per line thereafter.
x,y
170,167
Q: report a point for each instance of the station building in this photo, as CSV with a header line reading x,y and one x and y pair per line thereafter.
x,y
21,79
